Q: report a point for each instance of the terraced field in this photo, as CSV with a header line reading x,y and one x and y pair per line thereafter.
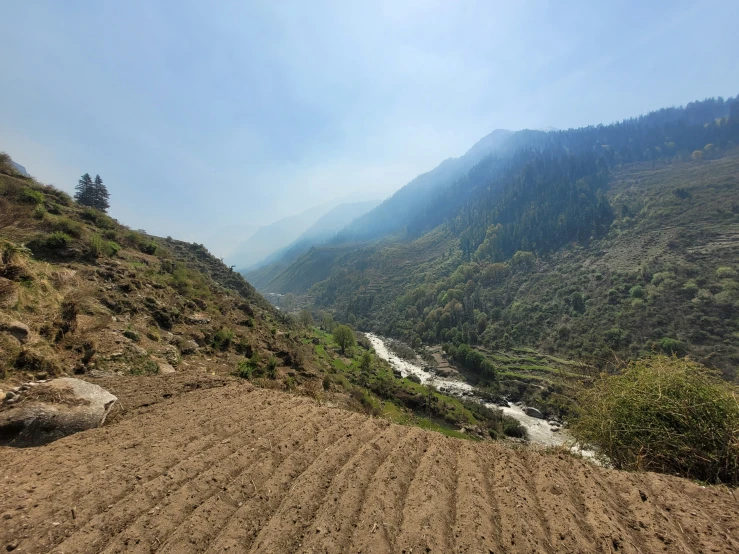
x,y
239,469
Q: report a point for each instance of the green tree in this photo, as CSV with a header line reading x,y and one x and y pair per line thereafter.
x,y
328,323
85,193
92,193
305,317
366,362
101,195
344,336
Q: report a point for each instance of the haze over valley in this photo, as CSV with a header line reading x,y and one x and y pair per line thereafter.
x,y
396,277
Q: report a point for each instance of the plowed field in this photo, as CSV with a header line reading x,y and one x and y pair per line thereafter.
x,y
237,469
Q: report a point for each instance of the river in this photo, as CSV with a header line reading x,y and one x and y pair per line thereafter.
x,y
539,431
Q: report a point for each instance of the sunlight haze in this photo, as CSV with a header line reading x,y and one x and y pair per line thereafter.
x,y
204,117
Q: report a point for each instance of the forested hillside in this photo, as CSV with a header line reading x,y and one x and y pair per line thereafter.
x,y
615,239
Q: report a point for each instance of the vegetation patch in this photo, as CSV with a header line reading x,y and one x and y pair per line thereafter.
x,y
664,414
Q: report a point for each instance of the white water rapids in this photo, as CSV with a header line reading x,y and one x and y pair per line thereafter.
x,y
539,431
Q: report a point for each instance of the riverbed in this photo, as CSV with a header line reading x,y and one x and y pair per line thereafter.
x,y
539,431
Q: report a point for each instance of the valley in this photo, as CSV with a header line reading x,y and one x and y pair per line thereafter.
x,y
530,348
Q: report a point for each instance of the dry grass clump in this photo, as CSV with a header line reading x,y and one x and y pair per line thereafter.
x,y
667,415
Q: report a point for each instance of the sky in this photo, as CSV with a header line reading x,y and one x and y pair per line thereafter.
x,y
208,119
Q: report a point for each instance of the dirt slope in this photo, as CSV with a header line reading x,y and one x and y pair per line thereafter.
x,y
231,468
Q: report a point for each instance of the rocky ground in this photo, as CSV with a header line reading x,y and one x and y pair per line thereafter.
x,y
199,463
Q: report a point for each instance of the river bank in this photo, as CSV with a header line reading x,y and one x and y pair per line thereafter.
x,y
539,431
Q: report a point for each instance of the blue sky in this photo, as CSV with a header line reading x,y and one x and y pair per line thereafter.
x,y
202,116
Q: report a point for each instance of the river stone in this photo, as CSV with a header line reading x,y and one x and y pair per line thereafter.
x,y
533,412
49,411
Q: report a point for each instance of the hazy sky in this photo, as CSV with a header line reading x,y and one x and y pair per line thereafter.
x,y
204,115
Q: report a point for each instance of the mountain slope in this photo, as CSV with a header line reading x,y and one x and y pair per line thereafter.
x,y
391,216
517,254
82,294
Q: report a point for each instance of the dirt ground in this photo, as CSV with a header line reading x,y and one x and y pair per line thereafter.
x,y
208,464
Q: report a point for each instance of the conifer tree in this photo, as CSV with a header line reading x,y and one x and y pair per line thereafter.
x,y
84,188
101,195
92,193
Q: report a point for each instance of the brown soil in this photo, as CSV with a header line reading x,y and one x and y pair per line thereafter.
x,y
231,468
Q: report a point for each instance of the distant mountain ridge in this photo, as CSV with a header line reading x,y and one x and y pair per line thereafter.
x,y
392,214
274,237
296,234
318,234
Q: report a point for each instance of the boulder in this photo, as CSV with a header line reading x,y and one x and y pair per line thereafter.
x,y
533,412
39,413
171,354
18,330
165,368
189,347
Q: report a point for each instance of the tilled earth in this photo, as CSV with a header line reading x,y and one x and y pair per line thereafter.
x,y
229,468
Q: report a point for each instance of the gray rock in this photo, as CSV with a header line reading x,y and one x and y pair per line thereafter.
x,y
171,354
164,367
52,410
533,412
189,347
198,319
18,330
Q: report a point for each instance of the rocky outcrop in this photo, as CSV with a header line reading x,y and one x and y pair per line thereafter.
x,y
533,412
37,413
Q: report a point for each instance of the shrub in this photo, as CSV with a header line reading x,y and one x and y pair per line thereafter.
x,y
68,226
272,367
100,247
57,240
637,291
32,196
671,346
250,368
513,428
664,414
223,339
726,273
141,242
39,212
98,218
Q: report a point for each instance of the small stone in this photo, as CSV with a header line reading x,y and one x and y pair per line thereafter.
x,y
12,546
